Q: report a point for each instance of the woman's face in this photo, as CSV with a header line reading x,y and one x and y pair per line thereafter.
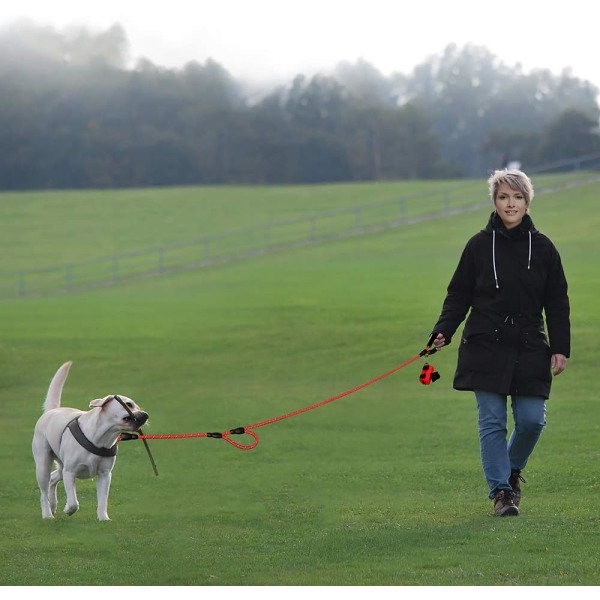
x,y
510,205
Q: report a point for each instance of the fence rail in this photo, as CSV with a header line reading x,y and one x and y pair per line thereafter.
x,y
242,244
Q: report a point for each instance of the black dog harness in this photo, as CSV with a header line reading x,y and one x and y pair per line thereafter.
x,y
75,429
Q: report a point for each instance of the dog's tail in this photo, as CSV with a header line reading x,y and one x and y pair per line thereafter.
x,y
56,386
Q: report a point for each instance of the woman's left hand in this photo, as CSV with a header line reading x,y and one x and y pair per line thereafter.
x,y
558,363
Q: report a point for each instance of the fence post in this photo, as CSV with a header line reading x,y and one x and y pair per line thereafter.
x,y
68,277
358,217
161,260
115,269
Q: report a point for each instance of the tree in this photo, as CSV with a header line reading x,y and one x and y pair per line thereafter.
x,y
570,134
73,115
472,96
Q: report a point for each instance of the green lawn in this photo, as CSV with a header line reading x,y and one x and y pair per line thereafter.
x,y
381,487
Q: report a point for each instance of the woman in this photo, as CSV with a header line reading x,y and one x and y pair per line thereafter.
x,y
508,276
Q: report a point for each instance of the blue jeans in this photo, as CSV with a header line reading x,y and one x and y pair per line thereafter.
x,y
499,457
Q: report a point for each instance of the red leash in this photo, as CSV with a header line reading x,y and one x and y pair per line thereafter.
x,y
249,429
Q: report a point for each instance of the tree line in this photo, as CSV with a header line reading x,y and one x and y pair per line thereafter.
x,y
73,115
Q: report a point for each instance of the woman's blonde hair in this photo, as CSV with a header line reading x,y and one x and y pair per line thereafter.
x,y
515,179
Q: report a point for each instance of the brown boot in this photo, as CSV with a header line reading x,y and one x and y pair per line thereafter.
x,y
504,505
514,481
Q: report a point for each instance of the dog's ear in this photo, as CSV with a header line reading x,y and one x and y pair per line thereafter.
x,y
100,402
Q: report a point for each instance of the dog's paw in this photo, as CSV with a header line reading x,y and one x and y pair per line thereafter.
x,y
71,510
103,517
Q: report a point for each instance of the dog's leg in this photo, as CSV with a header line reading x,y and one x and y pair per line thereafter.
x,y
102,489
55,477
72,505
43,466
43,479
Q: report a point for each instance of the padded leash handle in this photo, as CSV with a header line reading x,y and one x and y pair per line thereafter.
x,y
429,348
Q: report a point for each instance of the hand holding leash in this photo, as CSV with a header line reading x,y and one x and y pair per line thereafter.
x,y
428,373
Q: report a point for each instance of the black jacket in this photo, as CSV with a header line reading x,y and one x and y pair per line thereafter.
x,y
508,278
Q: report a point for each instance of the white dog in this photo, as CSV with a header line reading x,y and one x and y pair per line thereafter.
x,y
83,444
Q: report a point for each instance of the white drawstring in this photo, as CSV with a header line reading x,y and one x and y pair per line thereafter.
x,y
494,256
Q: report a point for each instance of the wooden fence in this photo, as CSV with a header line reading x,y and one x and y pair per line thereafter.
x,y
242,244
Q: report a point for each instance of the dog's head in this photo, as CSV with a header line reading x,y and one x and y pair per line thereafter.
x,y
121,411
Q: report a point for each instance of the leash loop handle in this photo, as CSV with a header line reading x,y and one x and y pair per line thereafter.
x,y
224,435
241,430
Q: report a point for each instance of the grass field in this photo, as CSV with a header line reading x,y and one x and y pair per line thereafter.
x,y
381,487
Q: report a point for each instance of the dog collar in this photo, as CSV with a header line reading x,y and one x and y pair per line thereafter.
x,y
75,429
